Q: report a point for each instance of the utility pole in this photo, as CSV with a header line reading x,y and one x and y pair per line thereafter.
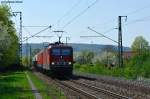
x,y
30,56
20,36
120,47
27,50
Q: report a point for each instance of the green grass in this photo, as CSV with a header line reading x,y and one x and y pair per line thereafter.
x,y
14,85
98,69
129,71
47,91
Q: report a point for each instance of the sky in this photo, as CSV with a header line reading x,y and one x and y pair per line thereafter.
x,y
102,16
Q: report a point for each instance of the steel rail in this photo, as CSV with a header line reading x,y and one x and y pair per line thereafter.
x,y
113,94
90,96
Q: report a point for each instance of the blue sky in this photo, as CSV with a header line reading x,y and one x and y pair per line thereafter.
x,y
102,17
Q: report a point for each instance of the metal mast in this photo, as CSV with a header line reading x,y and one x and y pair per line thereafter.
x,y
20,37
120,47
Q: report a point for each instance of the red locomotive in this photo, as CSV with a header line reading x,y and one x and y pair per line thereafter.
x,y
56,58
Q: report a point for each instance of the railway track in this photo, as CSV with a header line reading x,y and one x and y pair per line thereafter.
x,y
88,95
83,91
70,91
98,89
84,88
121,86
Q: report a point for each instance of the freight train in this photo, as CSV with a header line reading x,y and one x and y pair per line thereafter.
x,y
57,58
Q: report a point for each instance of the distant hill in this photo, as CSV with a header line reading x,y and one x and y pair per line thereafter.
x,y
76,47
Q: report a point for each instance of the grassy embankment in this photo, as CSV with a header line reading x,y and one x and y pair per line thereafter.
x,y
47,91
14,85
138,66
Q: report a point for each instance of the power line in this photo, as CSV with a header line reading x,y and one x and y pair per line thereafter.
x,y
137,20
35,26
130,13
37,33
109,30
27,31
138,10
90,36
32,26
67,13
82,12
44,36
103,35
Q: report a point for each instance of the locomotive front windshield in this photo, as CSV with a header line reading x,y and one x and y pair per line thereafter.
x,y
58,52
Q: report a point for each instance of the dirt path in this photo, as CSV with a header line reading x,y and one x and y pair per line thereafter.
x,y
34,89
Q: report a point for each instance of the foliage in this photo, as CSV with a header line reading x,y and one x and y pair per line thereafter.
x,y
107,58
136,67
140,43
8,38
25,61
85,57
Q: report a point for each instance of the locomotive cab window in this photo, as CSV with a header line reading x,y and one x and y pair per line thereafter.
x,y
66,52
56,52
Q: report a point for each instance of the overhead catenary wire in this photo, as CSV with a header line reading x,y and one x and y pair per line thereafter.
x,y
67,13
137,20
37,33
129,13
132,22
137,10
78,15
35,36
27,31
35,26
90,36
44,36
103,35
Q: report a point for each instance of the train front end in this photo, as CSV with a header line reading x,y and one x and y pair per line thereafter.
x,y
61,60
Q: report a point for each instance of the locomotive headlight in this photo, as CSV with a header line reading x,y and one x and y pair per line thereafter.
x,y
53,63
69,63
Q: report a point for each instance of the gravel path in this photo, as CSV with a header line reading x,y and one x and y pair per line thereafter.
x,y
34,89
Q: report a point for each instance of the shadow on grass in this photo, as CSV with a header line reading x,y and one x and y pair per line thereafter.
x,y
6,80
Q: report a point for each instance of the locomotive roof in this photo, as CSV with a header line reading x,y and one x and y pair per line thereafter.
x,y
55,45
64,46
58,44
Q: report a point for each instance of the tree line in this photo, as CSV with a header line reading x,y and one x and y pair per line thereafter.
x,y
138,64
8,39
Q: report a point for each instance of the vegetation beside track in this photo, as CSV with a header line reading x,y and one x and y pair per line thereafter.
x,y
14,85
138,66
9,57
47,91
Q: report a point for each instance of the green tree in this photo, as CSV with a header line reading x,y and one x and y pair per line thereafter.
x,y
140,44
85,57
8,39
